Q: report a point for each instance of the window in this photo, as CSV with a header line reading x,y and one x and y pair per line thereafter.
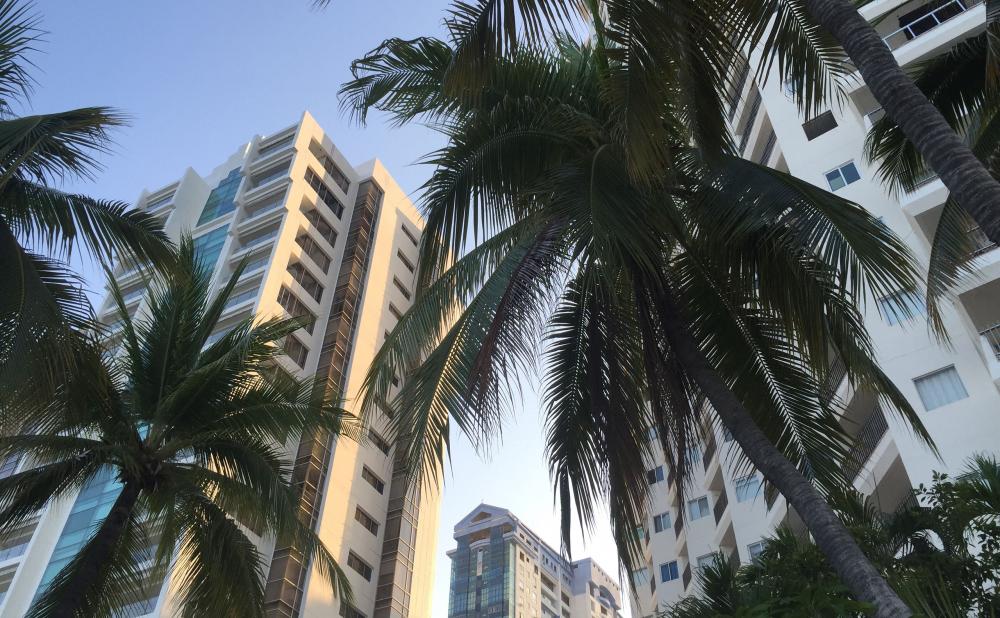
x,y
396,313
366,520
901,306
6,579
727,436
16,541
747,488
207,247
669,572
221,200
651,434
314,251
324,228
940,388
694,455
755,550
269,175
410,235
661,522
842,176
296,351
814,127
295,308
639,576
705,561
324,192
330,167
9,465
359,565
276,146
381,443
373,479
655,475
402,288
306,280
405,260
698,508
349,611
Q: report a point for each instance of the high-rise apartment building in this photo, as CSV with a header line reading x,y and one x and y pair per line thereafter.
x,y
321,238
953,387
501,569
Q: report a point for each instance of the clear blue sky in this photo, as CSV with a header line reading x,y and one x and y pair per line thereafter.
x,y
198,79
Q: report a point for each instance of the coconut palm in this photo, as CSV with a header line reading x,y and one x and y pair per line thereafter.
x,y
41,299
713,279
812,43
962,85
194,435
922,547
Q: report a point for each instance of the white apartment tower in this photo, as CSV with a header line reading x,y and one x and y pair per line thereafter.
x,y
321,238
501,569
953,387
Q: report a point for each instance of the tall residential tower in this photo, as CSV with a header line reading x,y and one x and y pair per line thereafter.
x,y
321,238
501,569
953,387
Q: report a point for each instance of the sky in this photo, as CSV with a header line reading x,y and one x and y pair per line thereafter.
x,y
198,79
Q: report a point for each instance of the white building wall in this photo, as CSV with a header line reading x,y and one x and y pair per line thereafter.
x,y
905,351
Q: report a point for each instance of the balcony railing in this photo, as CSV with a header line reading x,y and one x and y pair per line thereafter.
x,y
740,84
992,338
981,243
768,149
720,506
833,379
709,452
751,119
871,433
934,18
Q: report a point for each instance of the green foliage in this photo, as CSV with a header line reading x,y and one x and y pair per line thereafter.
x,y
546,228
42,302
194,433
939,551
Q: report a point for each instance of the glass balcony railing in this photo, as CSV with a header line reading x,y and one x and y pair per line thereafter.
x,y
239,299
991,337
925,18
256,241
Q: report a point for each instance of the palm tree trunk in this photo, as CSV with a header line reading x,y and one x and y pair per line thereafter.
x,y
95,555
834,540
942,149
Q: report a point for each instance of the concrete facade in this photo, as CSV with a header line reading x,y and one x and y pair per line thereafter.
x,y
328,239
953,386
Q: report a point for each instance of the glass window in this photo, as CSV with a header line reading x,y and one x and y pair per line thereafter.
x,y
655,475
705,560
324,192
296,351
207,247
755,550
372,479
669,572
359,565
940,388
651,434
639,576
748,488
221,201
694,455
843,176
901,306
661,522
366,520
698,508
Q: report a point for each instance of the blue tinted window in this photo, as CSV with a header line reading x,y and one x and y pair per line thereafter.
x,y
207,247
221,199
668,572
850,172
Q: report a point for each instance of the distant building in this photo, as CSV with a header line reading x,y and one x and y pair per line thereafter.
x,y
323,238
953,386
501,569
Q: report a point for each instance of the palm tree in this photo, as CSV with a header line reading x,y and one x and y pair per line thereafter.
x,y
195,436
809,41
923,548
961,84
42,302
712,279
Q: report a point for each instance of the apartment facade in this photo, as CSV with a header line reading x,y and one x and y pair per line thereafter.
x,y
501,569
337,243
952,386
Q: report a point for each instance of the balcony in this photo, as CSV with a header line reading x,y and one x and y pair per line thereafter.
x,y
980,241
751,120
765,156
687,576
678,525
709,452
874,427
833,379
721,503
990,339
916,20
